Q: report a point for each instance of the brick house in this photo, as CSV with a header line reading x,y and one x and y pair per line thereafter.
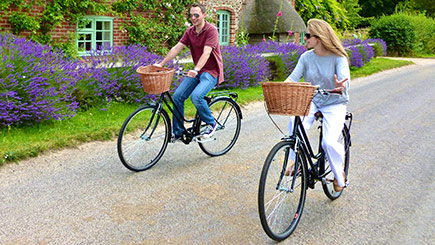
x,y
106,30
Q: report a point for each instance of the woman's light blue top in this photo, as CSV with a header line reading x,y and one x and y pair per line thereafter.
x,y
320,70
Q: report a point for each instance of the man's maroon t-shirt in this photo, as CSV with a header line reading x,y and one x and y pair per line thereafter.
x,y
208,36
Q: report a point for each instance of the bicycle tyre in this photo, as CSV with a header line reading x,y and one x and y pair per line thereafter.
x,y
280,221
227,115
136,149
328,188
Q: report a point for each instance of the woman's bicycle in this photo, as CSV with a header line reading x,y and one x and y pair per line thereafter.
x,y
283,183
146,132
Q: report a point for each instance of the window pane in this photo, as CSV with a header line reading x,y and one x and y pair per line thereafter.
x,y
83,37
99,35
107,36
88,46
106,25
99,25
81,46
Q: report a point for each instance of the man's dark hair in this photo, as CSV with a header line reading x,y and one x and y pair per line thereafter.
x,y
199,5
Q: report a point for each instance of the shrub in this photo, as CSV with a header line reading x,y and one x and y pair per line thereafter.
x,y
288,52
397,31
424,29
379,46
36,82
110,75
360,52
243,67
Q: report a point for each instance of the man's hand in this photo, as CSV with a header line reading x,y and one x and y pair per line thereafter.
x,y
192,73
340,85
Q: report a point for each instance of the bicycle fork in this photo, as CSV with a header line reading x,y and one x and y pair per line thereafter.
x,y
155,114
280,186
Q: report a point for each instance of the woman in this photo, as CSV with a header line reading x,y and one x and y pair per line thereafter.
x,y
326,65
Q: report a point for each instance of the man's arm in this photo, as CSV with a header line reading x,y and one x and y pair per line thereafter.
x,y
204,57
172,53
201,62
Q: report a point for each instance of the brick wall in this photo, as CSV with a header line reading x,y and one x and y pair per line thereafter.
x,y
234,7
120,37
66,28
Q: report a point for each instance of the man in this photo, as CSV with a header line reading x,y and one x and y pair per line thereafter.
x,y
202,38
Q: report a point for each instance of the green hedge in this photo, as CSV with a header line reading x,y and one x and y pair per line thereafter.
x,y
405,34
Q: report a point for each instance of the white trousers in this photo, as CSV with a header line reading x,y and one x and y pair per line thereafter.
x,y
333,121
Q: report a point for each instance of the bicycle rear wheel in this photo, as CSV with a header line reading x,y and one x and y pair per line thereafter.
x,y
280,206
328,187
143,138
228,117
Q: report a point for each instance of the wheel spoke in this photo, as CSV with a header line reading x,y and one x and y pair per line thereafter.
x,y
143,138
279,206
227,132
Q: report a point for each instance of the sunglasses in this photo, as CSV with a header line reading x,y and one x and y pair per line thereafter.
x,y
196,15
308,35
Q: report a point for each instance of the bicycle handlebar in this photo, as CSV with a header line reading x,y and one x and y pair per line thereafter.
x,y
328,91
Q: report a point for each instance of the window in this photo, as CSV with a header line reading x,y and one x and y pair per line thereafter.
x,y
94,33
223,27
301,38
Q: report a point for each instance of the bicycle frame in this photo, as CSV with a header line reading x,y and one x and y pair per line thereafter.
x,y
190,132
302,142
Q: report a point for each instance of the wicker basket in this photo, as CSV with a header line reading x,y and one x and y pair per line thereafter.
x,y
288,98
155,80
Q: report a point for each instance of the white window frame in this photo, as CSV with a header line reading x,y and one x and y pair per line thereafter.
x,y
90,30
223,26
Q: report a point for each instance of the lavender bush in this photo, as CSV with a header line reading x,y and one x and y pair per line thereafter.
x,y
381,43
36,82
40,84
289,52
360,52
110,75
242,67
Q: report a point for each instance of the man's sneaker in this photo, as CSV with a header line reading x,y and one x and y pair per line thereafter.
x,y
208,131
176,138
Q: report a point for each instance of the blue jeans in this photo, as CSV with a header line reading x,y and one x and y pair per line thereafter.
x,y
197,87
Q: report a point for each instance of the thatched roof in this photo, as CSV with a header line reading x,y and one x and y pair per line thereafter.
x,y
259,17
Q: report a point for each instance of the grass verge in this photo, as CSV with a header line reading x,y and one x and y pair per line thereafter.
x,y
17,143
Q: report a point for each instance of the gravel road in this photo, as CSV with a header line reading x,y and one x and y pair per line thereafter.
x,y
85,196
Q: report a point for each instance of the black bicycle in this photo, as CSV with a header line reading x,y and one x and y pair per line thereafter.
x,y
283,183
146,132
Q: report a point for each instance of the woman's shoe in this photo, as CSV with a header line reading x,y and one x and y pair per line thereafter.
x,y
338,188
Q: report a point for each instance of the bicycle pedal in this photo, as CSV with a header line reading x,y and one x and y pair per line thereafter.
x,y
199,140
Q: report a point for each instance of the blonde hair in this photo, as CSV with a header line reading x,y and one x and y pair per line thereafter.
x,y
322,30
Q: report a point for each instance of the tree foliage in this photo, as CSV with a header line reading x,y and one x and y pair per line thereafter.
x,y
341,14
162,27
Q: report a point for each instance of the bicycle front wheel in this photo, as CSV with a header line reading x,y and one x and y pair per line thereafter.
x,y
228,117
325,169
281,197
143,138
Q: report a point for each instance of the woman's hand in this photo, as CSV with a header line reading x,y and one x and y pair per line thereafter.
x,y
340,85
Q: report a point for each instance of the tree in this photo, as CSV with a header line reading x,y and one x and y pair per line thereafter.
x,y
425,5
376,8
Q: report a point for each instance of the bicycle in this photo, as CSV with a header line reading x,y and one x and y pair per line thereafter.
x,y
281,194
146,132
